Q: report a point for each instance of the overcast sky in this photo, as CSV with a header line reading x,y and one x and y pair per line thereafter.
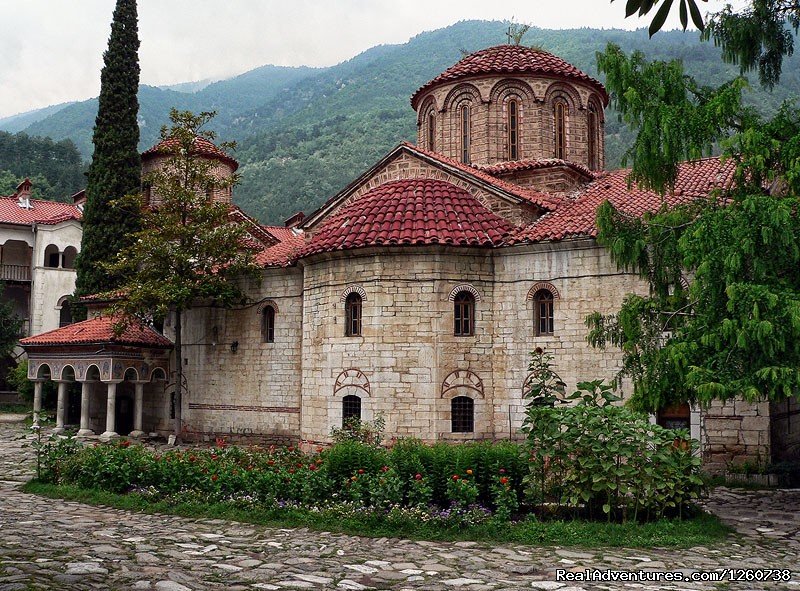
x,y
51,50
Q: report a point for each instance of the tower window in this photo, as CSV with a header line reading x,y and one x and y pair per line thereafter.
x,y
464,314
431,131
268,324
352,312
593,137
513,131
465,134
462,414
543,312
351,408
560,126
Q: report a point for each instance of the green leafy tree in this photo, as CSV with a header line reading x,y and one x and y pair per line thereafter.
x,y
10,325
756,37
188,249
723,314
115,170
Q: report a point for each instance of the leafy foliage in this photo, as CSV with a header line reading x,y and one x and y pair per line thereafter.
x,y
757,36
115,170
188,249
603,459
55,168
10,324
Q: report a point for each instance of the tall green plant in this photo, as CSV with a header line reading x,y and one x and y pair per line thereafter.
x,y
115,171
188,249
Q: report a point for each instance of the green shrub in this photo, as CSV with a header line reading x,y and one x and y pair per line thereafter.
x,y
601,459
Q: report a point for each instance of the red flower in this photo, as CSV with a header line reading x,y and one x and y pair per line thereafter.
x,y
250,467
417,476
319,450
214,477
456,477
361,470
125,443
504,480
291,470
192,458
385,469
290,448
299,464
312,467
270,462
213,456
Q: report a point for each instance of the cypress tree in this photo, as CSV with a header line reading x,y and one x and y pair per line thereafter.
x,y
115,170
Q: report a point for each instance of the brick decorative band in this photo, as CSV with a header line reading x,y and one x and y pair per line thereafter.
x,y
286,409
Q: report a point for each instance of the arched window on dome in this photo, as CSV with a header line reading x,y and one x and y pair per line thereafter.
x,y
593,137
513,130
431,131
560,111
543,313
465,134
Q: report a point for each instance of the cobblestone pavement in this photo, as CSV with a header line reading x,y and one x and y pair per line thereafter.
x,y
46,544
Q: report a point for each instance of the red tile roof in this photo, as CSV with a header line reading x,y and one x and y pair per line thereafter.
x,y
202,147
99,330
411,212
516,165
696,179
538,198
510,59
287,249
41,212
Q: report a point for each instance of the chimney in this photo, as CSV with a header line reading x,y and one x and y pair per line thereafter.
x,y
24,194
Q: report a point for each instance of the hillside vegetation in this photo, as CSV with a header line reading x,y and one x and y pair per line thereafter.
x,y
305,133
55,168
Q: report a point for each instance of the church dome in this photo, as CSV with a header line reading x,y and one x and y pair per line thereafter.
x,y
509,60
511,103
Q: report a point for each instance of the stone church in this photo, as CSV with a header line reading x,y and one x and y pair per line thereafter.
x,y
417,292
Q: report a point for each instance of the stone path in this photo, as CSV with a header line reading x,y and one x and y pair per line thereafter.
x,y
48,544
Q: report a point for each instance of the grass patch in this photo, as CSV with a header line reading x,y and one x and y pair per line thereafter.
x,y
702,530
15,408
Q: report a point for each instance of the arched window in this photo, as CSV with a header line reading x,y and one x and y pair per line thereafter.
x,y
464,314
513,130
431,131
351,407
68,260
593,139
52,258
462,414
65,314
352,314
560,128
465,134
268,324
543,312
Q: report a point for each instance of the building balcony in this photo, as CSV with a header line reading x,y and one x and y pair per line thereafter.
x,y
15,272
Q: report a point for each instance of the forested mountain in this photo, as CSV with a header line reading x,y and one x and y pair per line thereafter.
x,y
55,168
305,133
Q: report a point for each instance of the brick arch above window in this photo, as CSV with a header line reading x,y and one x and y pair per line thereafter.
x,y
464,287
267,303
352,379
353,289
542,286
507,89
428,105
565,92
460,94
462,382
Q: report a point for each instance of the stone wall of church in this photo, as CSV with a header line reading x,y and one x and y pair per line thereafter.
x,y
402,366
583,279
488,97
239,385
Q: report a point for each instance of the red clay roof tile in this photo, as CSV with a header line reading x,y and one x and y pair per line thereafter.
x,y
41,212
202,147
99,330
696,179
510,59
411,212
533,164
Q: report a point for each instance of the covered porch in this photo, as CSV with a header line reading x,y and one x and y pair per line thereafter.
x,y
108,384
